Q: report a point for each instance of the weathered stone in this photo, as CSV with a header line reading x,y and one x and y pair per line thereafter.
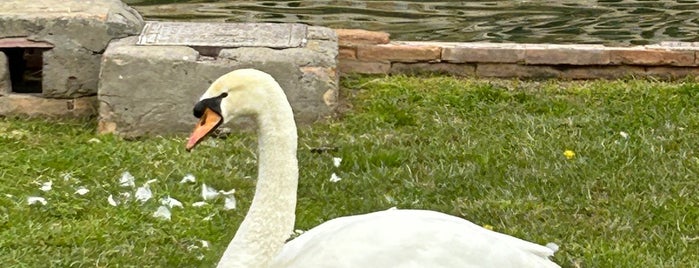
x,y
398,53
604,72
213,34
653,57
483,52
354,37
670,73
316,53
52,20
321,33
507,70
566,55
152,89
363,67
81,77
437,67
347,53
5,82
36,106
79,33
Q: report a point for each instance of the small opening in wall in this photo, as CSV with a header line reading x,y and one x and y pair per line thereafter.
x,y
25,64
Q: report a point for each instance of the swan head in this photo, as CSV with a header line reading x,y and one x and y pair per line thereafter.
x,y
240,92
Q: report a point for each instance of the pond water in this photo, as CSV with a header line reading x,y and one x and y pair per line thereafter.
x,y
614,22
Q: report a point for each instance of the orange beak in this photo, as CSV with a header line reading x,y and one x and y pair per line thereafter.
x,y
207,123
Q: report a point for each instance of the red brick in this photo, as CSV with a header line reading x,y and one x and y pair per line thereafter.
x,y
399,53
354,37
653,57
363,67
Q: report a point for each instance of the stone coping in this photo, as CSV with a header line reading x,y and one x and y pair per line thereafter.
x,y
373,53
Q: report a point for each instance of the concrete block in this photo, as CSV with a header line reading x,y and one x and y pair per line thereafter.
x,y
146,90
604,72
79,32
5,82
567,55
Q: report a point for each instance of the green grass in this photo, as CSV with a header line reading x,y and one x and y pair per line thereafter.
x,y
488,151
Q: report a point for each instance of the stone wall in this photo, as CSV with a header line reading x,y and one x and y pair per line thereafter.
x,y
368,52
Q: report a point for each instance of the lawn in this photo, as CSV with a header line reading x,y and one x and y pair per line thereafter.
x,y
625,194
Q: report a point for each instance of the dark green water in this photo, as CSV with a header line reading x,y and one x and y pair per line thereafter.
x,y
533,21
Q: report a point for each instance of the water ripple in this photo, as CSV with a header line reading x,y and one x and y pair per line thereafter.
x,y
531,21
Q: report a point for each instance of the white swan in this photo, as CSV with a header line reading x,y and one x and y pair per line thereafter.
x,y
391,238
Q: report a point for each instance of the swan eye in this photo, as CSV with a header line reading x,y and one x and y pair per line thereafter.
x,y
212,103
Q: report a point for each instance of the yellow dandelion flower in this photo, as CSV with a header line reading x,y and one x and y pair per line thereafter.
x,y
569,154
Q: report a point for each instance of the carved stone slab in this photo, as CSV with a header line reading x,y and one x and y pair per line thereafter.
x,y
200,34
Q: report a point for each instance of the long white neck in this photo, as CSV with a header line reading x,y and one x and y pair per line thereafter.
x,y
271,217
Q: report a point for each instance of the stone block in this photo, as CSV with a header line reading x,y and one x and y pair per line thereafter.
x,y
566,55
346,66
354,37
437,67
670,73
347,53
398,53
604,72
5,82
653,57
507,70
151,89
484,52
79,32
36,106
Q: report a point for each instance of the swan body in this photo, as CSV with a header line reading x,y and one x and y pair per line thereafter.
x,y
390,238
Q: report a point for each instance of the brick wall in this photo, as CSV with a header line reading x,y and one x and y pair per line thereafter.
x,y
369,52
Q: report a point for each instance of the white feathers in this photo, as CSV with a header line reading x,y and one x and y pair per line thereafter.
x,y
31,200
230,203
337,161
199,204
143,193
46,186
163,213
552,246
111,201
170,202
334,178
188,178
127,180
81,190
208,193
